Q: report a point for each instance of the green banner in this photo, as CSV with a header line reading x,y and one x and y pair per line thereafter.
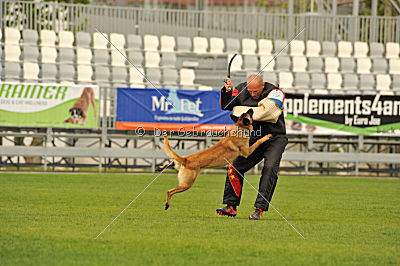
x,y
49,105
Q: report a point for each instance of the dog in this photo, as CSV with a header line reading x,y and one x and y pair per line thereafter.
x,y
226,150
81,107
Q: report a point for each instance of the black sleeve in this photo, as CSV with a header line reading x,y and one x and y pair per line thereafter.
x,y
227,101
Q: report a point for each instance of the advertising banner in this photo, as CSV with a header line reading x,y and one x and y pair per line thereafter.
x,y
343,114
169,109
49,105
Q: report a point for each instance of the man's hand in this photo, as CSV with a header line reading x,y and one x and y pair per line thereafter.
x,y
228,84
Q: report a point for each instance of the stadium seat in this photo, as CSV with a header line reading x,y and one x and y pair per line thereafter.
x,y
170,78
12,71
167,44
345,49
250,62
315,64
66,55
383,82
136,79
394,66
49,73
200,45
205,88
100,40
118,57
168,60
334,81
66,39
392,50
301,80
299,64
376,49
30,37
264,47
84,74
151,43
313,48
249,46
12,53
232,46
154,76
152,59
30,53
83,39
318,81
12,36
47,38
328,49
118,40
102,75
347,65
31,72
285,80
396,82
270,77
48,55
101,57
367,82
331,64
283,63
184,44
119,76
297,48
134,42
67,73
237,63
379,65
350,81
83,56
363,65
135,57
187,77
281,46
267,63
217,45
360,49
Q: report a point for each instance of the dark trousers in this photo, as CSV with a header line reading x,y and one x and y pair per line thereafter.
x,y
271,151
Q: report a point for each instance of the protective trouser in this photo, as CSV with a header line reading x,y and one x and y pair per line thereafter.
x,y
271,151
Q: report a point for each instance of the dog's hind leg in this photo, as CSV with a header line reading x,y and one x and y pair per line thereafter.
x,y
186,179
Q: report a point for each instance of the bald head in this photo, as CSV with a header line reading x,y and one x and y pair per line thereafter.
x,y
255,85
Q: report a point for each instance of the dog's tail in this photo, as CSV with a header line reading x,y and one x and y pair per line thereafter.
x,y
171,153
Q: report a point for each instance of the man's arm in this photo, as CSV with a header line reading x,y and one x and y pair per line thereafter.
x,y
228,96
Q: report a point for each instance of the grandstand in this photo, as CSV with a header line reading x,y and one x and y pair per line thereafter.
x,y
114,56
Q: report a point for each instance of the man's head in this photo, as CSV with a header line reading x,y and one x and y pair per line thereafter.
x,y
255,86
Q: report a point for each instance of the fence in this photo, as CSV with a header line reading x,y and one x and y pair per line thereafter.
x,y
74,17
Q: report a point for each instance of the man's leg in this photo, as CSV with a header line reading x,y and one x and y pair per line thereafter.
x,y
269,177
234,180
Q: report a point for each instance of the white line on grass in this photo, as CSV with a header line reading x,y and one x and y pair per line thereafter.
x,y
294,228
275,56
152,181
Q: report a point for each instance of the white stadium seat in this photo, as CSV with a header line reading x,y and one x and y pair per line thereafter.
x,y
299,64
364,65
392,50
297,48
66,39
334,81
152,59
100,40
118,59
200,45
216,45
249,46
345,49
285,80
187,77
383,82
267,63
360,49
151,43
313,48
47,38
118,40
84,73
167,43
394,66
11,36
331,64
83,56
12,53
264,47
136,77
237,63
31,71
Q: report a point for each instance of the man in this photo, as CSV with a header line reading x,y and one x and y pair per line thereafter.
x,y
251,94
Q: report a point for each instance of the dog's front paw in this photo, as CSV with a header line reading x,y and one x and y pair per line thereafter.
x,y
266,137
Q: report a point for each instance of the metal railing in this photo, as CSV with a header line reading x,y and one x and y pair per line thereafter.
x,y
74,17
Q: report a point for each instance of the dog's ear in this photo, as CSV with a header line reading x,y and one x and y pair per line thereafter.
x,y
234,118
70,110
250,112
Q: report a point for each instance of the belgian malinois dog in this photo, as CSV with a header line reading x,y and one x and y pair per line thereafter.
x,y
226,150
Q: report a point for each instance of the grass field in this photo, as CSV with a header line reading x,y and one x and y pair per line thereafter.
x,y
52,219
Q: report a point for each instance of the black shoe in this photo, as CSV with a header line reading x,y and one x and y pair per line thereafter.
x,y
227,211
256,215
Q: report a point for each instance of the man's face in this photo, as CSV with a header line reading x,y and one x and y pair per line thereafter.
x,y
255,89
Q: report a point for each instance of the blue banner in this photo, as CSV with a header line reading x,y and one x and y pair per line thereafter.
x,y
169,109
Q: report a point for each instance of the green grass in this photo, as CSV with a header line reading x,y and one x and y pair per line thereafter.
x,y
52,219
